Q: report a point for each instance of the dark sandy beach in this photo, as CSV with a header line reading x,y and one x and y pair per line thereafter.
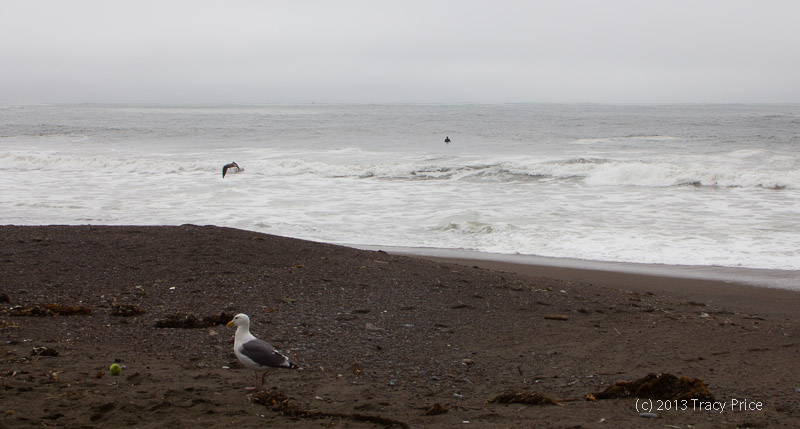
x,y
382,340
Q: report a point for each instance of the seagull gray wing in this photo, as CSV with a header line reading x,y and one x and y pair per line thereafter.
x,y
263,354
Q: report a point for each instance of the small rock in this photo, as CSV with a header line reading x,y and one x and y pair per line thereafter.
x,y
468,361
648,415
371,327
704,315
435,409
125,310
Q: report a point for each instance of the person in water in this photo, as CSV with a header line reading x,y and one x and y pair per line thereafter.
x,y
447,139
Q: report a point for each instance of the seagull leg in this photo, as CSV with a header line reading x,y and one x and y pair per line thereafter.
x,y
263,378
256,382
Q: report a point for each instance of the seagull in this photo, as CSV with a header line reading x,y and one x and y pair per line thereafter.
x,y
227,166
254,353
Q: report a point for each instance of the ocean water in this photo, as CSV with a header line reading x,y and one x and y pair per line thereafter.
x,y
696,185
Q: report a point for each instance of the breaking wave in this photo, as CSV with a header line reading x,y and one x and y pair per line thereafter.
x,y
56,161
589,171
475,227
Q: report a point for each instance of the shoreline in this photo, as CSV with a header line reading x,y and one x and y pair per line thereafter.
x,y
744,297
751,290
744,276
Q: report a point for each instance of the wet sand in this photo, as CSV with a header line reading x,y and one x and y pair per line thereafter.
x,y
746,297
380,338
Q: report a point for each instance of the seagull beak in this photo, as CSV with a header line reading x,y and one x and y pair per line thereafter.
x,y
229,324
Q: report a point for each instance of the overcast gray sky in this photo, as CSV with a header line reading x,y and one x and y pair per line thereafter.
x,y
296,51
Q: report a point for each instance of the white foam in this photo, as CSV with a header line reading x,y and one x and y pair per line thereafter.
x,y
595,171
624,139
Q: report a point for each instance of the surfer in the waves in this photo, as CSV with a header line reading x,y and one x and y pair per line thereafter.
x,y
447,139
226,167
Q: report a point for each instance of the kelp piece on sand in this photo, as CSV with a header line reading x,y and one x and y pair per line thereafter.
x,y
51,310
190,321
522,398
278,402
664,386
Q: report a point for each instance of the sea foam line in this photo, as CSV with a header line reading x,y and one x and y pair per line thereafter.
x,y
592,171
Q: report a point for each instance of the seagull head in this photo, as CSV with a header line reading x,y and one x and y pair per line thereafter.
x,y
240,319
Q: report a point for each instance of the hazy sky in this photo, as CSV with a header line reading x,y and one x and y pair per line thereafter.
x,y
295,51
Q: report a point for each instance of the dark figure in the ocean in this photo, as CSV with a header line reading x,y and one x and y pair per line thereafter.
x,y
447,139
227,166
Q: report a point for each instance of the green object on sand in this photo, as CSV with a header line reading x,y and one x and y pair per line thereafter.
x,y
115,369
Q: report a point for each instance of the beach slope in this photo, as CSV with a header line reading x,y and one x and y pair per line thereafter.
x,y
381,339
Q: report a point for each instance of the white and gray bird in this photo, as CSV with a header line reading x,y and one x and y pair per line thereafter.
x,y
254,353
